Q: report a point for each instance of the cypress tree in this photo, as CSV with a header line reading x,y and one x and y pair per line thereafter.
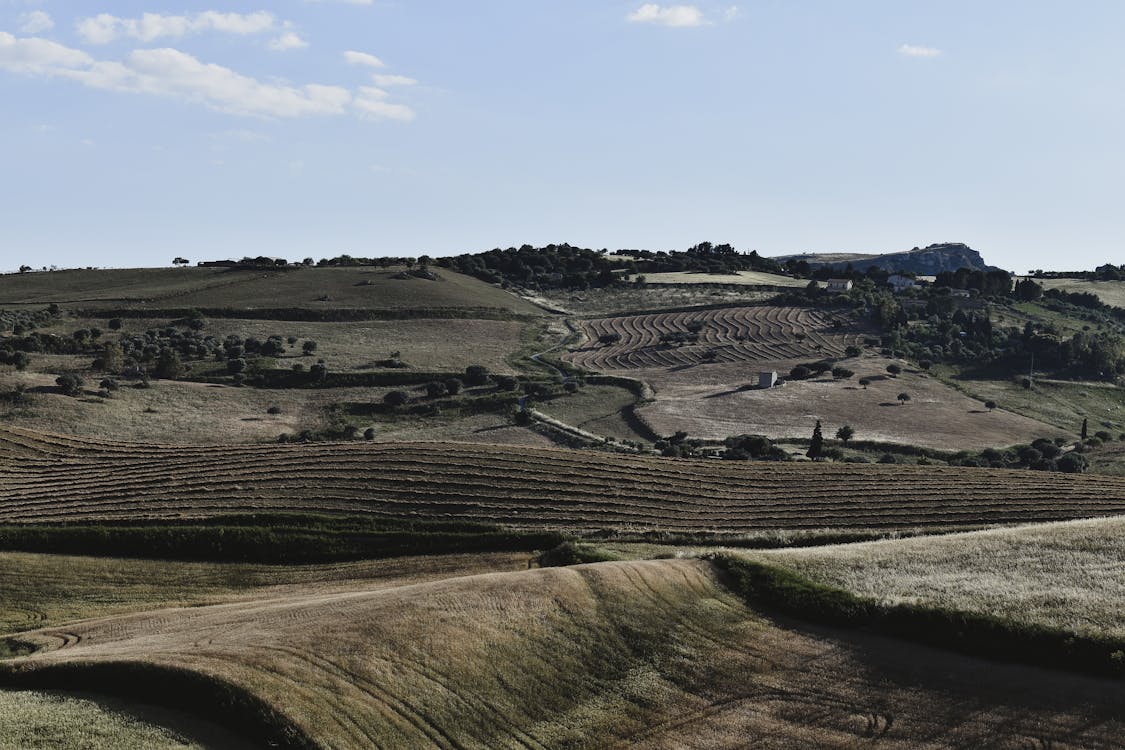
x,y
816,445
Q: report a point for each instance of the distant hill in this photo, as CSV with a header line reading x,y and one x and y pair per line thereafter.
x,y
927,261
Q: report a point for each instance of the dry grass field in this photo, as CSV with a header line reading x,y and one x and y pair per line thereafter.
x,y
36,720
936,416
311,288
608,301
40,590
762,334
750,278
1062,575
56,478
640,654
1109,292
442,345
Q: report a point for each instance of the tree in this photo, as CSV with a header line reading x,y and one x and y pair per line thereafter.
x,y
1073,463
609,338
396,398
1085,427
477,375
800,372
168,365
894,369
845,433
865,382
115,324
436,389
454,386
236,366
71,385
841,373
903,397
180,261
990,405
25,269
852,351
369,433
308,348
318,373
816,445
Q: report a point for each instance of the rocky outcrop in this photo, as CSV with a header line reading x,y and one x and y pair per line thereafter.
x,y
927,261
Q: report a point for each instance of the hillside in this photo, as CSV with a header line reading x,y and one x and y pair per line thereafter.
x,y
136,291
641,654
55,478
1061,575
927,261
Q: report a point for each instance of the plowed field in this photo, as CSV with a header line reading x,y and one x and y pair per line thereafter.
x,y
55,478
738,334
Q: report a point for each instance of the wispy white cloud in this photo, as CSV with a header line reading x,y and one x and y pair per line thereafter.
x,y
392,80
372,103
678,16
172,73
731,13
363,58
287,41
910,50
36,22
105,28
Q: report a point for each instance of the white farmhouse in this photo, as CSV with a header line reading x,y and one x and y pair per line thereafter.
x,y
900,283
839,285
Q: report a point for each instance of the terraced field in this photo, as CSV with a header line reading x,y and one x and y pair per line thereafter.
x,y
738,334
55,478
650,654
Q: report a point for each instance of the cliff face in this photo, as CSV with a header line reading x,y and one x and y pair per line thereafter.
x,y
927,261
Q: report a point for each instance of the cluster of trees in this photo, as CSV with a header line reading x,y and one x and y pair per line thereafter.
x,y
551,267
704,257
1043,454
985,282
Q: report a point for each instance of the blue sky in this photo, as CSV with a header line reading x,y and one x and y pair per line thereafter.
x,y
134,132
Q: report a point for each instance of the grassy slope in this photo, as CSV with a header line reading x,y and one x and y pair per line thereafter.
x,y
596,408
45,590
36,720
1110,292
1065,575
207,287
649,654
1058,403
753,278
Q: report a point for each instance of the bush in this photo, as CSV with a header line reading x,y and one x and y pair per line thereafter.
x,y
396,398
273,410
454,386
888,458
507,383
894,369
70,385
521,417
852,351
369,433
1072,463
800,372
477,375
436,389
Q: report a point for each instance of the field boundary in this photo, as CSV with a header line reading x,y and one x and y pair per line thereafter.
x,y
310,315
980,635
